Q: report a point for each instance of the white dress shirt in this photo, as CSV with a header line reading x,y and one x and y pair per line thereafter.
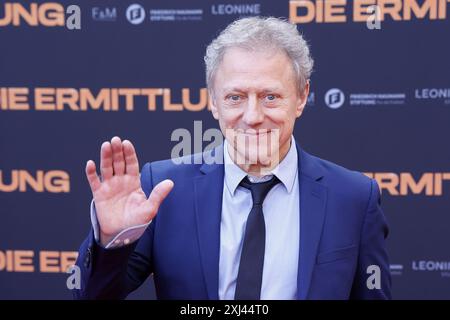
x,y
281,214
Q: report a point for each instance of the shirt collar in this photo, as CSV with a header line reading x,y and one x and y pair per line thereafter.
x,y
286,170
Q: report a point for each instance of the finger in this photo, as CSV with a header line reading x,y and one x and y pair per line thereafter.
x,y
118,159
158,194
92,177
106,168
131,161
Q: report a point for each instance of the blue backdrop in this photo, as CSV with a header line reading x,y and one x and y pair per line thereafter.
x,y
379,103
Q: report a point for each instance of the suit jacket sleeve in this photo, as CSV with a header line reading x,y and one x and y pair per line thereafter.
x,y
114,273
372,252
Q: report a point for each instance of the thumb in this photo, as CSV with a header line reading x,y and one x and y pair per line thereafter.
x,y
158,194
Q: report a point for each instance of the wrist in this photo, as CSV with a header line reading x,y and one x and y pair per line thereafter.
x,y
105,239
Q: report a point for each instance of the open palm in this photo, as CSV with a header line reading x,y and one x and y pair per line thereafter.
x,y
119,199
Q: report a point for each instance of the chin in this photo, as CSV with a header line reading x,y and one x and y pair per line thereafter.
x,y
255,154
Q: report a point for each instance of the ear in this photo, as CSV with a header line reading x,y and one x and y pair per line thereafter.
x,y
212,104
301,101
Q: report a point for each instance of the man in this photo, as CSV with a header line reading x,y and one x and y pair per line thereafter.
x,y
266,221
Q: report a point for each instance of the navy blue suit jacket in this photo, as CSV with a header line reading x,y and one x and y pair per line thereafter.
x,y
342,232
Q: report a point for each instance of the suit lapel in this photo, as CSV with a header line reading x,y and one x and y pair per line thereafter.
x,y
313,197
208,189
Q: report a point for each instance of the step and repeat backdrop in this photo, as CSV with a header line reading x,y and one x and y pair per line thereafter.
x,y
75,73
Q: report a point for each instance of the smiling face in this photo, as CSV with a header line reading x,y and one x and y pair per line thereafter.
x,y
255,98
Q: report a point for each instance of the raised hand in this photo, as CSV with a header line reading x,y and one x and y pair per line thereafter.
x,y
119,199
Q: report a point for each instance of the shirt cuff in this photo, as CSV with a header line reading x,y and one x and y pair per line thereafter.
x,y
123,238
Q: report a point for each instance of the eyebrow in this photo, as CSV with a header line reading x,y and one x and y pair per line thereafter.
x,y
245,89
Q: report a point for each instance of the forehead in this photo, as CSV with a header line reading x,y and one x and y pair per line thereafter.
x,y
254,69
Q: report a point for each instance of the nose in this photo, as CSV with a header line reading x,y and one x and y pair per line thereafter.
x,y
253,113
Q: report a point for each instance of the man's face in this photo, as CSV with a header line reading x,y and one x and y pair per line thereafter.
x,y
256,100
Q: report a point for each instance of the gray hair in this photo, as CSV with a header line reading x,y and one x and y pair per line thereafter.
x,y
261,33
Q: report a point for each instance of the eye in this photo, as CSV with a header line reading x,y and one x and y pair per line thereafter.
x,y
234,98
271,97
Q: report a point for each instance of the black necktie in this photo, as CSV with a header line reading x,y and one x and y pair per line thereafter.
x,y
248,284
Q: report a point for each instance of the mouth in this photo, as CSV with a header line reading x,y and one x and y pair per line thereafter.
x,y
253,132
